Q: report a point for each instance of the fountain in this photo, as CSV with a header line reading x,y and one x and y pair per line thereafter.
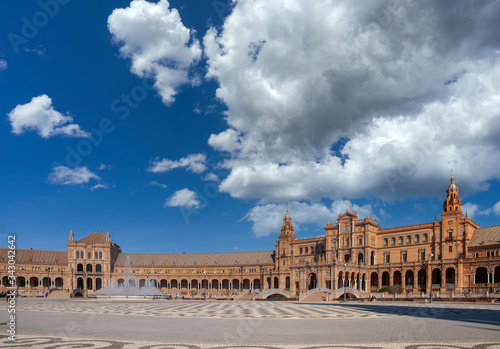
x,y
129,288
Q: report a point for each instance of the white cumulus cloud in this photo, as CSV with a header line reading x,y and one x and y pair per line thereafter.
x,y
156,184
39,115
3,64
159,45
267,219
183,198
474,210
193,162
64,175
336,97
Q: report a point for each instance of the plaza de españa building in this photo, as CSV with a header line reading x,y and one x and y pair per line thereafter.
x,y
450,256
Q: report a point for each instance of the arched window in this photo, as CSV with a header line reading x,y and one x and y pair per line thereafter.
x,y
96,255
417,239
400,240
393,241
306,250
79,267
100,255
77,254
312,249
425,238
98,268
386,242
89,268
89,255
408,239
300,250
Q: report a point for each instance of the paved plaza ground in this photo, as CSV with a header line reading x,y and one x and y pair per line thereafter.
x,y
43,323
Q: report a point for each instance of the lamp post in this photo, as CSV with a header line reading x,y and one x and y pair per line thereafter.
x,y
48,277
345,272
241,279
430,262
204,288
72,271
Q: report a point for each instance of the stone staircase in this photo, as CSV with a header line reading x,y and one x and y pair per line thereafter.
x,y
246,297
315,297
58,294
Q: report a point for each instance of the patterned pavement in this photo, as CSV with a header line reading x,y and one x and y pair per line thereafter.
x,y
253,310
61,342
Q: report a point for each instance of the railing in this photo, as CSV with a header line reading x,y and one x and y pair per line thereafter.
x,y
318,289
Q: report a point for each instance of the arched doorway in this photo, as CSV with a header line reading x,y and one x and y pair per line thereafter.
x,y
256,284
98,284
374,281
340,282
184,284
287,282
89,283
313,281
396,278
174,283
385,278
409,277
450,277
246,284
372,258
276,282
436,278
236,284
34,281
497,275
21,281
59,282
215,284
269,282
79,283
422,279
481,276
360,258
194,284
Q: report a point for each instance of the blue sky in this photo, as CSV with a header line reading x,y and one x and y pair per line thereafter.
x,y
187,126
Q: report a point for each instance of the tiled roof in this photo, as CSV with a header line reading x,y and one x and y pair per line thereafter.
x,y
486,236
196,259
36,256
99,238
